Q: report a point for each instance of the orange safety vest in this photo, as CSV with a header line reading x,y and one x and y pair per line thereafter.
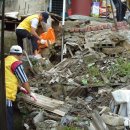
x,y
11,82
26,23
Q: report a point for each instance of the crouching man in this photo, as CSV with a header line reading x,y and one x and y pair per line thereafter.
x,y
14,72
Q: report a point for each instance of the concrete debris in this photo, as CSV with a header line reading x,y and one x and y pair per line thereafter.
x,y
26,126
89,99
104,109
98,122
79,17
38,118
95,67
47,125
66,120
113,119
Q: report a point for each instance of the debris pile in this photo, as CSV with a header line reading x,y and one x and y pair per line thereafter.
x,y
96,64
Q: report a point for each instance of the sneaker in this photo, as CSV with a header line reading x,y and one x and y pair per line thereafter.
x,y
38,56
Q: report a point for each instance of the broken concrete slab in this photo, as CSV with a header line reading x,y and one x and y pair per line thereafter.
x,y
47,125
116,128
113,119
111,51
98,122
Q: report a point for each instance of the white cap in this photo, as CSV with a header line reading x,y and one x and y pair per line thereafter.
x,y
16,49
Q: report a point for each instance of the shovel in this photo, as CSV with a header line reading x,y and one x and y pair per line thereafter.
x,y
30,64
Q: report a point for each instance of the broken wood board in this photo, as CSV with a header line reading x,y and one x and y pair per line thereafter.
x,y
47,103
66,63
78,91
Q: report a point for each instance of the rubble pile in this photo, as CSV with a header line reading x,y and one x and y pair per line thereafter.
x,y
96,63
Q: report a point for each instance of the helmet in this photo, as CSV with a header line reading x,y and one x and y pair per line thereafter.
x,y
16,49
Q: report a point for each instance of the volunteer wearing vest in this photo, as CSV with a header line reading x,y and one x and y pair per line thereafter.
x,y
13,72
27,28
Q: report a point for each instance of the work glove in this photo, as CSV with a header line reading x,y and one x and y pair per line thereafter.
x,y
43,41
23,90
32,95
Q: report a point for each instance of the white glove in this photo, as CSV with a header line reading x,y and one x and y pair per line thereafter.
x,y
32,95
23,90
43,41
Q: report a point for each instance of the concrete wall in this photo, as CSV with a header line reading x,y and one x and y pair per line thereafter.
x,y
9,40
25,6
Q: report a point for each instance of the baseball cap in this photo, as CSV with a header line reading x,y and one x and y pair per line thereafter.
x,y
16,49
45,16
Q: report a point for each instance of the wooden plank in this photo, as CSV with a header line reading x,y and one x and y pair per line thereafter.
x,y
59,112
50,99
47,103
39,103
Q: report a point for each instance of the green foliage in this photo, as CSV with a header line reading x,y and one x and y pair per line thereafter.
x,y
84,81
94,71
123,66
119,67
94,75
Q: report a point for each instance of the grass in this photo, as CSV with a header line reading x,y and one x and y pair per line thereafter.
x,y
119,68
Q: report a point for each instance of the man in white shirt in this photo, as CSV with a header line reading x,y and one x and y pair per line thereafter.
x,y
27,28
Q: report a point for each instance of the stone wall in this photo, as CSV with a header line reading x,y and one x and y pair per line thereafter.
x,y
101,36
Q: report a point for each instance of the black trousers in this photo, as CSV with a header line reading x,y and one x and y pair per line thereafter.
x,y
120,9
10,118
21,34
